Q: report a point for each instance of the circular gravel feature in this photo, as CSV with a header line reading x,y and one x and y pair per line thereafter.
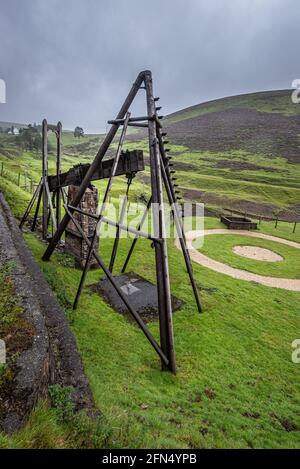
x,y
257,253
196,256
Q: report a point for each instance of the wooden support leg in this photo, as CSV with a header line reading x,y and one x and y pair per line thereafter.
x,y
161,255
36,214
51,209
181,237
30,205
45,176
58,172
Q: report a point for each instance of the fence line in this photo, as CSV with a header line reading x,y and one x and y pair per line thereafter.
x,y
21,179
262,217
30,185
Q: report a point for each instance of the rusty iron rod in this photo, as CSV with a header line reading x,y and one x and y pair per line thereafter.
x,y
137,232
121,219
139,227
180,233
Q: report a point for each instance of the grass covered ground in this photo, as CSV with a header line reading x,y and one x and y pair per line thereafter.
x,y
236,384
229,178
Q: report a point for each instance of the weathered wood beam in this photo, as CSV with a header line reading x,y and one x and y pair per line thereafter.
x,y
129,162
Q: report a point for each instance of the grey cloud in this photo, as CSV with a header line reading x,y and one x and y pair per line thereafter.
x,y
74,60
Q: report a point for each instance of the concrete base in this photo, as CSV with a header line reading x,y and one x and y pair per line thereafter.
x,y
141,294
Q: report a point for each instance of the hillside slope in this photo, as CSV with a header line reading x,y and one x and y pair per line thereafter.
x,y
266,122
241,152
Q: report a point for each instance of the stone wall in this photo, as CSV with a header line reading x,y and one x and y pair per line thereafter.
x,y
74,242
51,356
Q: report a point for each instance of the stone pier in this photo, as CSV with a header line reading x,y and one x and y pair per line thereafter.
x,y
75,243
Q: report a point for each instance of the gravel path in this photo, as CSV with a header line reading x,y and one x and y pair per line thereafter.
x,y
256,253
196,256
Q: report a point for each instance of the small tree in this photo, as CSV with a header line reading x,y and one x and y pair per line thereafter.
x,y
78,132
30,139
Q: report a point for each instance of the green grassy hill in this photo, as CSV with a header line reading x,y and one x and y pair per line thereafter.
x,y
241,152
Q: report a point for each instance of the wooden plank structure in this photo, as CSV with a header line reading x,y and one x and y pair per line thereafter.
x,y
161,177
49,190
42,192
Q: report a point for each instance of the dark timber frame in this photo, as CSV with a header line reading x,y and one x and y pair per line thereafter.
x,y
42,192
160,175
49,190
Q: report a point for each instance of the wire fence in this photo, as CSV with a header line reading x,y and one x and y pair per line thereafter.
x,y
24,180
21,178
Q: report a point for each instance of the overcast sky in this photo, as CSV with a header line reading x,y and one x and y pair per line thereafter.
x,y
74,60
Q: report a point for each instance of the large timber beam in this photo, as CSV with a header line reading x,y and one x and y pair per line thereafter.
x,y
129,162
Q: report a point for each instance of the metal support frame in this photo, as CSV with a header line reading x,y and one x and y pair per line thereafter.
x,y
161,175
121,219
